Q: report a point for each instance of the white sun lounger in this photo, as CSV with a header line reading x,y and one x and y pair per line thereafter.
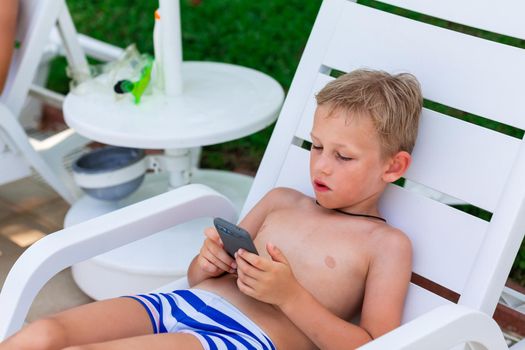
x,y
465,255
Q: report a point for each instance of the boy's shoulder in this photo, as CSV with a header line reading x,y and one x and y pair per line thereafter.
x,y
285,197
389,240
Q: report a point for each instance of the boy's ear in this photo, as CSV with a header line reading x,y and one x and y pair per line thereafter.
x,y
397,166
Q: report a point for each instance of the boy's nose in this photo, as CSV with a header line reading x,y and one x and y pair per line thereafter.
x,y
323,165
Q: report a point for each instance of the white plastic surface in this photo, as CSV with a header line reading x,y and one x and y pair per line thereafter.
x,y
443,328
307,119
16,137
482,159
502,242
499,17
148,264
171,47
296,158
220,102
445,241
419,301
17,165
454,69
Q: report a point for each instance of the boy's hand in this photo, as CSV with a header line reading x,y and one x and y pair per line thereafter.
x,y
212,258
270,281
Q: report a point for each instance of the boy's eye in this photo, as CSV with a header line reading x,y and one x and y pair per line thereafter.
x,y
339,156
316,147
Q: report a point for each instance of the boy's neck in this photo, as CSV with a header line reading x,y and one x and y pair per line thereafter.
x,y
367,206
355,214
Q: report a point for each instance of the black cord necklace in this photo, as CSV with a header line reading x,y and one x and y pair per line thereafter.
x,y
352,214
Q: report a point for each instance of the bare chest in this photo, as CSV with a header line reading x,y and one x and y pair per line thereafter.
x,y
328,257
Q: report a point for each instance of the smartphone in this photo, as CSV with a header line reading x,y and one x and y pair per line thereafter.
x,y
234,237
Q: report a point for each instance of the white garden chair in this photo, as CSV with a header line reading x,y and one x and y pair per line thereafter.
x,y
466,256
39,21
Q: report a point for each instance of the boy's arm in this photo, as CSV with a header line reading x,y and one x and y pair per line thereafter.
x,y
387,283
321,326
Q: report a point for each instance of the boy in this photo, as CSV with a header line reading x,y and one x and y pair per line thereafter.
x,y
321,260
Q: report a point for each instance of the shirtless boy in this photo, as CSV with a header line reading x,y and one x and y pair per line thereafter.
x,y
322,260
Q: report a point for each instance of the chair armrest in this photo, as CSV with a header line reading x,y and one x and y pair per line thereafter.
x,y
76,243
181,283
443,328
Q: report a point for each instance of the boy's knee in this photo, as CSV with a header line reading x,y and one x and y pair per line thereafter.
x,y
47,333
51,331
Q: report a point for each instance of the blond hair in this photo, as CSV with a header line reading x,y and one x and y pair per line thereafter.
x,y
393,102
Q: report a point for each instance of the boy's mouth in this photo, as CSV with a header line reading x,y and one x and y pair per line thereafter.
x,y
320,186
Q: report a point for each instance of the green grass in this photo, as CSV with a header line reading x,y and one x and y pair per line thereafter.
x,y
266,35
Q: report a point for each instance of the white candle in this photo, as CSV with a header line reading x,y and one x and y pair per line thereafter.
x,y
171,46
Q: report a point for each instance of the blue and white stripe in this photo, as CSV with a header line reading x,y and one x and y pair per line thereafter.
x,y
214,321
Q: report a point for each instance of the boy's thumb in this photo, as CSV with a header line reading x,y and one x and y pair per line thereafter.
x,y
276,253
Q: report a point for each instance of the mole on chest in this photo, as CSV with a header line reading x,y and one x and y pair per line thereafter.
x,y
329,261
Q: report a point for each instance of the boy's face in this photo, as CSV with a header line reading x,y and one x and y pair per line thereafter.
x,y
346,166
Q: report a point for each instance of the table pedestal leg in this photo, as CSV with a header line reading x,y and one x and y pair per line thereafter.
x,y
177,162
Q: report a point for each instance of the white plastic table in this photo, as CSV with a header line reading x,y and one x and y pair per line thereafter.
x,y
220,102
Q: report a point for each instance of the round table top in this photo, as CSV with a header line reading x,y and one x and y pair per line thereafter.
x,y
220,102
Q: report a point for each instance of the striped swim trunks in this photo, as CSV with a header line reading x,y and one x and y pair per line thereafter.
x,y
213,320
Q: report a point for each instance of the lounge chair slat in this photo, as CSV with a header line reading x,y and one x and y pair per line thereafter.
x,y
488,15
481,164
447,63
445,240
420,301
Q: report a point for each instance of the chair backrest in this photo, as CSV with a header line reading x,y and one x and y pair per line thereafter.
x,y
467,257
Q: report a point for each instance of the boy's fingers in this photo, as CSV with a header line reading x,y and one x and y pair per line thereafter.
x,y
246,279
253,259
212,234
220,253
276,253
244,288
207,266
246,268
216,255
218,263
